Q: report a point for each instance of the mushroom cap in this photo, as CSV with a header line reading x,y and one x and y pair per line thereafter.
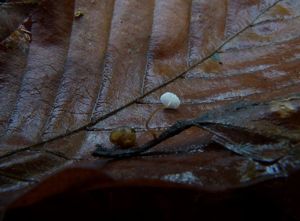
x,y
170,100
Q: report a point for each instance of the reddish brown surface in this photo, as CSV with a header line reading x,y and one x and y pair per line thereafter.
x,y
79,78
87,194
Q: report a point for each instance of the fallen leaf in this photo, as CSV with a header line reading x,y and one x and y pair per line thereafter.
x,y
81,78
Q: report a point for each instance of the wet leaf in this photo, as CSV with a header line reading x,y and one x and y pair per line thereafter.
x,y
264,132
82,77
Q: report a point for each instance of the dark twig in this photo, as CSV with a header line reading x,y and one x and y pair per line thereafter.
x,y
175,129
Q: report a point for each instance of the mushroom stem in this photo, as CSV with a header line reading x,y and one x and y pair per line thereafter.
x,y
150,118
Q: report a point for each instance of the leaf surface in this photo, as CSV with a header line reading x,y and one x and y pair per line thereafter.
x,y
83,76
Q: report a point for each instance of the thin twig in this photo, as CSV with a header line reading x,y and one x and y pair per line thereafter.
x,y
175,129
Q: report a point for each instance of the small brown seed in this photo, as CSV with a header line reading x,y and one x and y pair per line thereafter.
x,y
123,137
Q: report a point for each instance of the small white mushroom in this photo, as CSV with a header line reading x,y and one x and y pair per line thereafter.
x,y
170,100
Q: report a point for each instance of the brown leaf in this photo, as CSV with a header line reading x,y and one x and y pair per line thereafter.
x,y
96,196
264,131
84,76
